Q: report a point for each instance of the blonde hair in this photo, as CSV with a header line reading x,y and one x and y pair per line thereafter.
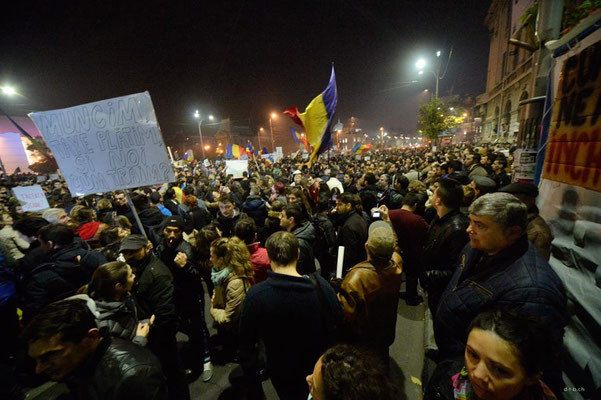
x,y
235,255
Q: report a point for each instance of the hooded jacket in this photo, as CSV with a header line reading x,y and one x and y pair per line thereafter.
x,y
120,319
64,272
255,208
306,235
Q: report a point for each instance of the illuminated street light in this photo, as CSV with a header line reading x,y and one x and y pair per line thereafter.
x,y
274,115
207,147
198,117
8,90
420,64
438,53
211,117
420,73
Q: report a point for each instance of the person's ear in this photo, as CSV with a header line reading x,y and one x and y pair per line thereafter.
x,y
91,337
149,246
513,233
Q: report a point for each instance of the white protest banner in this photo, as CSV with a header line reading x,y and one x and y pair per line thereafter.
x,y
107,145
236,167
31,198
339,262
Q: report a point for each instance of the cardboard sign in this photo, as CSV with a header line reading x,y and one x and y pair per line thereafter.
x,y
236,167
31,198
107,145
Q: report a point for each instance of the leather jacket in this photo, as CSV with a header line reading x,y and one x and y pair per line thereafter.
x,y
445,239
118,370
369,299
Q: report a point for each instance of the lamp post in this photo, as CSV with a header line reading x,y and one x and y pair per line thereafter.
x,y
382,137
259,137
198,117
272,116
421,64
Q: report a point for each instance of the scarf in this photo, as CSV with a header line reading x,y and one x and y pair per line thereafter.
x,y
218,276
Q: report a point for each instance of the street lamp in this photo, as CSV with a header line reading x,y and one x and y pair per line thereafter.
x,y
198,117
8,90
421,64
272,116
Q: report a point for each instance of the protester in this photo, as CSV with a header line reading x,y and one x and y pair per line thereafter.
x,y
498,268
504,358
68,347
344,372
228,215
293,220
352,232
473,167
295,316
232,277
369,294
246,230
12,245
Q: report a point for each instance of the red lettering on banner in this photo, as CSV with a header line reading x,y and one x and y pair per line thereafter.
x,y
593,160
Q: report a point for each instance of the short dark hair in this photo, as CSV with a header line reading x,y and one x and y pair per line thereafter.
x,y
346,198
155,197
72,319
227,198
455,164
140,201
108,236
411,199
450,193
282,247
57,233
30,226
246,229
477,157
350,374
401,180
295,211
530,337
370,178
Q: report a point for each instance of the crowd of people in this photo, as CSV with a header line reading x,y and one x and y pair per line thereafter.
x,y
95,288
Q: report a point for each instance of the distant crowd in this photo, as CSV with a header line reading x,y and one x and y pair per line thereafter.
x,y
94,289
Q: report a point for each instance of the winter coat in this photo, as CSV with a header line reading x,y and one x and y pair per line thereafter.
x,y
120,319
62,273
151,219
476,169
517,278
325,248
226,225
444,241
369,298
118,370
352,234
306,235
255,208
12,245
153,294
227,303
197,218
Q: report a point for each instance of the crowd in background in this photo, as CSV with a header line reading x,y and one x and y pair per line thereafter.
x,y
95,288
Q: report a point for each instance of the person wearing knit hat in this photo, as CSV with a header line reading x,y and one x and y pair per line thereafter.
x,y
482,185
539,233
370,290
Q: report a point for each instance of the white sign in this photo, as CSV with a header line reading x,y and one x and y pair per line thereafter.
x,y
366,158
236,167
31,198
339,262
107,145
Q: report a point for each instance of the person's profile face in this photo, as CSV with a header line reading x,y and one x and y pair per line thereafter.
x,y
486,235
58,359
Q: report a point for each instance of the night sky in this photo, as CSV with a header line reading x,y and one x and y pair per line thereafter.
x,y
241,59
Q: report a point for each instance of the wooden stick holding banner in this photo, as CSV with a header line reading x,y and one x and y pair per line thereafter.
x,y
135,213
339,262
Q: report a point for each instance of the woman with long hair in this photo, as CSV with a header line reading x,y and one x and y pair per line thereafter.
x,y
110,289
232,276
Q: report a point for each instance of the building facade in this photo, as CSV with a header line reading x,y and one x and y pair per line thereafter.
x,y
511,69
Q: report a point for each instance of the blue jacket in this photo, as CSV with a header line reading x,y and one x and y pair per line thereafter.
x,y
518,278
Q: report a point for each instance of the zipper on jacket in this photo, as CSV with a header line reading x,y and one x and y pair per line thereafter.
x,y
481,289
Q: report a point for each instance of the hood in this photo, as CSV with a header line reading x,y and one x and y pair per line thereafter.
x,y
108,310
305,232
253,203
88,230
151,216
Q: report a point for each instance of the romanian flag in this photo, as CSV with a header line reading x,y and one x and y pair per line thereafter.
x,y
269,160
317,118
189,155
234,151
298,138
263,151
361,149
249,149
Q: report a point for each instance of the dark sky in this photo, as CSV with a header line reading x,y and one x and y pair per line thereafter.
x,y
241,59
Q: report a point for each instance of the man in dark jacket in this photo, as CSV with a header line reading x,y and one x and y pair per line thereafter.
x,y
445,239
151,218
352,232
228,215
296,318
178,255
387,196
499,268
67,265
292,219
68,347
153,293
255,207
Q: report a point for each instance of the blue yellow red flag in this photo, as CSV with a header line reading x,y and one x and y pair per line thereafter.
x,y
233,151
317,118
